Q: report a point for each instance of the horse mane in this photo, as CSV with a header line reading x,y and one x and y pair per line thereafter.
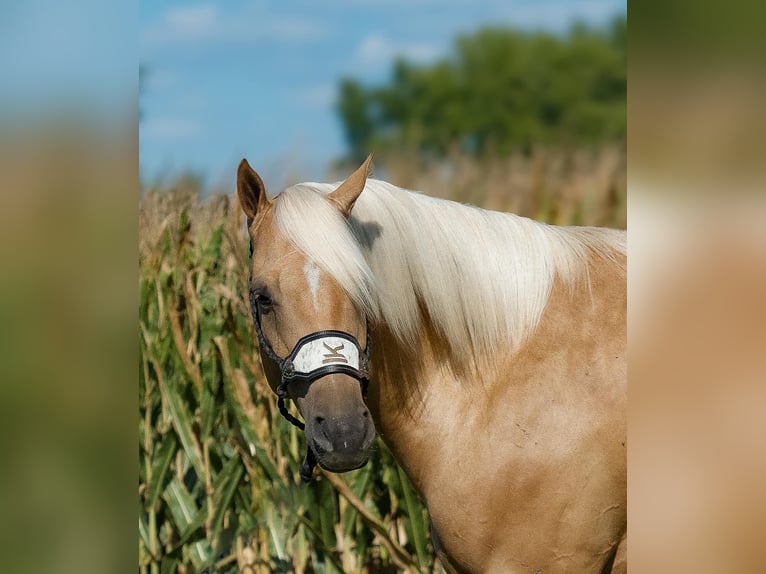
x,y
483,277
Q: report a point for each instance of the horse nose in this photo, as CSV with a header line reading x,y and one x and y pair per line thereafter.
x,y
344,433
342,442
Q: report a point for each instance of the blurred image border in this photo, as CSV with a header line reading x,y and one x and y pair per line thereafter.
x,y
697,274
69,174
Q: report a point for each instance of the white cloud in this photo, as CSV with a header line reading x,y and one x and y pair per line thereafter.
x,y
193,21
169,128
293,29
376,49
320,96
204,23
189,24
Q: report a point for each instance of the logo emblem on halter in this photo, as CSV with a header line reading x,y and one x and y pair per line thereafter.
x,y
334,355
324,352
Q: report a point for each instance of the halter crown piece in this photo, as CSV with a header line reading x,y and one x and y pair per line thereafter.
x,y
314,356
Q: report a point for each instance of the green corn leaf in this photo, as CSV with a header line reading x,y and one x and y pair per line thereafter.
x,y
181,504
326,510
248,433
193,528
358,485
302,546
207,412
163,456
201,554
278,534
415,515
212,250
143,532
169,565
228,480
182,422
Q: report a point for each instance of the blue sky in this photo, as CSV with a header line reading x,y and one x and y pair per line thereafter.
x,y
78,54
257,79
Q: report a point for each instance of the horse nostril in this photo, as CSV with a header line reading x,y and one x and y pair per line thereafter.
x,y
366,414
319,420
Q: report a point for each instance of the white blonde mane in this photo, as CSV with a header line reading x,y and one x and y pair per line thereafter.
x,y
483,277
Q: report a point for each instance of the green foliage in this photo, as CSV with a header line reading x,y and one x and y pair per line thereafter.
x,y
500,90
218,476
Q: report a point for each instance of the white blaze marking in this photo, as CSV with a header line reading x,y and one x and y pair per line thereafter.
x,y
312,274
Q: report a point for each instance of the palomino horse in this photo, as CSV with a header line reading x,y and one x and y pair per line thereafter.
x,y
497,374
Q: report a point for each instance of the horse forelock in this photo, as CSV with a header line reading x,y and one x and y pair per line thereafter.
x,y
483,278
324,236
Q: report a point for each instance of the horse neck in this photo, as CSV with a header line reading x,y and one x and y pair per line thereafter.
x,y
425,403
415,391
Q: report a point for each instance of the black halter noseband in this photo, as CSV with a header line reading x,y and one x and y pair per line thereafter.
x,y
296,366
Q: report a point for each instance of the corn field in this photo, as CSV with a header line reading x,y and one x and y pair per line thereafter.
x,y
218,466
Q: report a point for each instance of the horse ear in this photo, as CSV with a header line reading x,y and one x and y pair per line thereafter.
x,y
347,193
250,189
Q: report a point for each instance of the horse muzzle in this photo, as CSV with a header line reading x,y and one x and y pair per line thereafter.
x,y
341,443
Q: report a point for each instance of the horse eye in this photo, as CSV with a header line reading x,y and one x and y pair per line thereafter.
x,y
261,300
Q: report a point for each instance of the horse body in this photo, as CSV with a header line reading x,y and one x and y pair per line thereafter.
x,y
498,374
526,470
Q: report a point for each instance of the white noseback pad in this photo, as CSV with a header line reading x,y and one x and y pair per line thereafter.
x,y
324,352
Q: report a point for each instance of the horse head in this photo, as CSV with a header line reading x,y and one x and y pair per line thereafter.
x,y
311,333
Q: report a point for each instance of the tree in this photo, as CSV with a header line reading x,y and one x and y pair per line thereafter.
x,y
500,89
